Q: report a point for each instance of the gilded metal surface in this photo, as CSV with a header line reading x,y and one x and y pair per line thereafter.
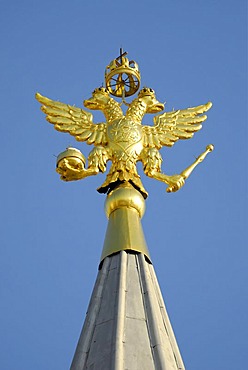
x,y
122,76
185,174
70,163
122,139
125,207
125,196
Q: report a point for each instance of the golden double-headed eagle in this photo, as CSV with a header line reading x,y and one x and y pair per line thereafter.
x,y
122,139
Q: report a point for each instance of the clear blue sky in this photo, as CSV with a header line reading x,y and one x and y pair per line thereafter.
x,y
52,232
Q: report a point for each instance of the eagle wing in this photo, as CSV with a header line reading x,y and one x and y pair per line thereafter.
x,y
169,127
75,121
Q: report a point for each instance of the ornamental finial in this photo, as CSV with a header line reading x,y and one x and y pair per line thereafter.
x,y
122,139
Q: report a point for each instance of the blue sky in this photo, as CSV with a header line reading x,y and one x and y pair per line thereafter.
x,y
52,232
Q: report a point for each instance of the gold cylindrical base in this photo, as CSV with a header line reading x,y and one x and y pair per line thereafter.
x,y
124,206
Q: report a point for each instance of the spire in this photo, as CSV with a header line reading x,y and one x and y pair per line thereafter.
x,y
126,326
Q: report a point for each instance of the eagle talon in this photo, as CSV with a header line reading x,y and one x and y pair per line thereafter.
x,y
176,182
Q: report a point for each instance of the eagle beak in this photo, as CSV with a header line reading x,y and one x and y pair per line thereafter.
x,y
155,107
91,103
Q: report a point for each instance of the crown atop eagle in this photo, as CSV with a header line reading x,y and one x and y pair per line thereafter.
x,y
146,91
101,90
122,77
122,65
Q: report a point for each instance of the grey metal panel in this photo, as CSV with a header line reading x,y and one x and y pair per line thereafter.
x,y
166,320
109,292
118,335
114,261
85,340
138,354
101,347
134,295
164,357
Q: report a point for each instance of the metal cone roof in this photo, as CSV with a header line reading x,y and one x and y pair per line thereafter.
x,y
127,326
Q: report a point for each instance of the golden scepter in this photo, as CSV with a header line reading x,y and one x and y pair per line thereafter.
x,y
185,174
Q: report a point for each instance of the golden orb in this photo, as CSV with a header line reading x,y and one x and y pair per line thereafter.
x,y
73,157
